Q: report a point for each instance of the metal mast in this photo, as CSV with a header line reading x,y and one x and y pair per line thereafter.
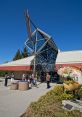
x,y
28,24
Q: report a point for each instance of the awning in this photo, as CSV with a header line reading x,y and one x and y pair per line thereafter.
x,y
69,58
24,64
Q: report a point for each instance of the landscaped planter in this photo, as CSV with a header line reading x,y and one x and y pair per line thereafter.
x,y
23,86
14,86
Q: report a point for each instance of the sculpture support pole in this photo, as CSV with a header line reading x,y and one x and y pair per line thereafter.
x,y
34,70
35,44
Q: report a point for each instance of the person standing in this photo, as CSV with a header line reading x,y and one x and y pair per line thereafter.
x,y
23,77
48,80
27,78
6,79
12,77
34,80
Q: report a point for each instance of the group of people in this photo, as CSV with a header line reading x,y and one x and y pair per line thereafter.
x,y
31,79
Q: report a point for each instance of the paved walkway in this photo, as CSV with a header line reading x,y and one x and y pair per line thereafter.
x,y
14,102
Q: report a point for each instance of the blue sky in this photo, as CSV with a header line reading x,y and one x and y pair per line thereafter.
x,y
62,19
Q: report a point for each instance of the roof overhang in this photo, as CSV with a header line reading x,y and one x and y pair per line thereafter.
x,y
16,68
24,64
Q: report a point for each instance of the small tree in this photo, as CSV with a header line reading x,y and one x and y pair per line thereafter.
x,y
18,55
25,53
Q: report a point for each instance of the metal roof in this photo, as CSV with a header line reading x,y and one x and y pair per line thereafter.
x,y
69,57
21,62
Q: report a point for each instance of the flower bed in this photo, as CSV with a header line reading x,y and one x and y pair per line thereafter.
x,y
71,73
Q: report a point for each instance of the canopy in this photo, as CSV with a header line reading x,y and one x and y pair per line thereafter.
x,y
24,64
69,58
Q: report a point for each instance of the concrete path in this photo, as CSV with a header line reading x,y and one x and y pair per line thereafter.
x,y
14,102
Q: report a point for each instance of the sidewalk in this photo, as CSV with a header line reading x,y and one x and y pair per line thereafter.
x,y
13,103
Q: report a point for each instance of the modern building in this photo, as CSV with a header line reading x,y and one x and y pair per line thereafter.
x,y
43,53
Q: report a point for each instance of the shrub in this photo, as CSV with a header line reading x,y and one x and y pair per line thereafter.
x,y
69,82
80,91
65,96
50,105
58,90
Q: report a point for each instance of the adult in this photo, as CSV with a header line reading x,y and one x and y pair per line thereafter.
x,y
12,77
34,80
23,77
26,78
48,80
56,77
30,78
42,77
6,79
